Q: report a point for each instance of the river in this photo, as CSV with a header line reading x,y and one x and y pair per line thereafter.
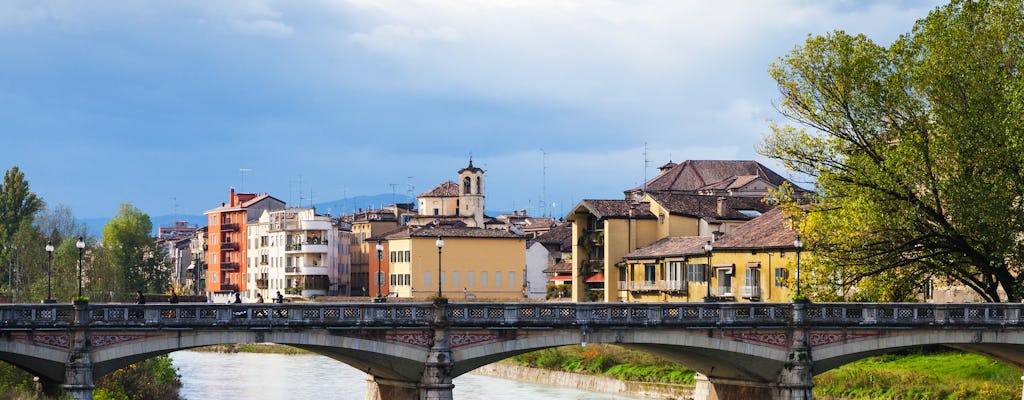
x,y
253,376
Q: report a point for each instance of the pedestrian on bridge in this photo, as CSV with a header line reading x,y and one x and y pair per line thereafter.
x,y
259,297
139,297
238,298
279,298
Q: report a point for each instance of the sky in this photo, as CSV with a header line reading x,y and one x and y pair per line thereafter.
x,y
167,105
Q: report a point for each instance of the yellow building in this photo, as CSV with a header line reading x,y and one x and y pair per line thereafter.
x,y
474,263
451,201
754,262
605,231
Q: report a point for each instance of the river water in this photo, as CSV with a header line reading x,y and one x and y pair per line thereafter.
x,y
252,376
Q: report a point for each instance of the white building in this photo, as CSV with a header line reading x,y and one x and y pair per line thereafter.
x,y
296,252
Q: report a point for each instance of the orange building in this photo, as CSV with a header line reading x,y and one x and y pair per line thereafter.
x,y
227,241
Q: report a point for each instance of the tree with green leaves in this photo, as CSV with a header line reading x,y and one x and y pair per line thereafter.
x,y
17,205
141,262
917,150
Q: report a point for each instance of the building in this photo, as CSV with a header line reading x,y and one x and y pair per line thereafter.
x,y
298,253
472,263
195,281
751,263
451,201
543,253
367,228
227,242
177,230
696,199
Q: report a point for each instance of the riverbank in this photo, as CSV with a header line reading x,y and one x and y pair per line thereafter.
x,y
649,390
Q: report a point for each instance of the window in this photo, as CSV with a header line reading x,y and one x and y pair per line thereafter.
x,y
469,278
478,188
437,212
483,278
512,278
426,278
466,182
695,272
676,273
408,255
497,279
781,276
649,276
455,278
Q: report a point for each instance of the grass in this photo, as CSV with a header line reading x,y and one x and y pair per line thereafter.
x,y
265,348
921,374
608,360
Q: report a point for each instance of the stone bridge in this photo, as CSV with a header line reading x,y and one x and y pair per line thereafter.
x,y
414,350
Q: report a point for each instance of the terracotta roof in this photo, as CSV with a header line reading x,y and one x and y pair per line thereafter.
x,y
616,208
384,235
693,175
770,230
560,235
447,189
671,247
560,268
453,232
701,206
539,223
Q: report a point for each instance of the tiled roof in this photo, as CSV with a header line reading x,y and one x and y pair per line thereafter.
x,y
539,223
770,230
671,247
447,189
700,206
562,267
454,232
617,208
384,235
692,175
560,235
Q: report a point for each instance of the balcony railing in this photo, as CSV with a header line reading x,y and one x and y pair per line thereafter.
x,y
261,284
751,292
291,270
229,246
228,227
228,287
723,291
229,266
669,286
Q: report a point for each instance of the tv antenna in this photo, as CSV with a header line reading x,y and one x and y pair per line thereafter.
x,y
242,171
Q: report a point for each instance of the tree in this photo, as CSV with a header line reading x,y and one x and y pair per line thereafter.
x,y
917,150
17,204
127,238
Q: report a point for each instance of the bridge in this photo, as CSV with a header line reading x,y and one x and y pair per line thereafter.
x,y
414,350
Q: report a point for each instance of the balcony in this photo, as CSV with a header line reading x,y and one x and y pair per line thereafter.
x,y
678,286
261,284
228,287
296,248
229,246
306,270
228,227
642,286
723,291
315,225
229,267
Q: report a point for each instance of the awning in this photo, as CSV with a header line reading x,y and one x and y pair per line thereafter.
x,y
595,278
561,278
191,266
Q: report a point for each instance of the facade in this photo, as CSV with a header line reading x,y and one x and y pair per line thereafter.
x,y
752,263
473,263
366,227
227,265
298,253
177,230
195,278
454,201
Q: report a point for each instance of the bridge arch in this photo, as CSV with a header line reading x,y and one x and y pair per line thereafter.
x,y
1006,346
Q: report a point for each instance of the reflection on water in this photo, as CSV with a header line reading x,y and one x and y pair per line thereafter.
x,y
207,375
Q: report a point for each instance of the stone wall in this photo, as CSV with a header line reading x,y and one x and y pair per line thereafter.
x,y
660,391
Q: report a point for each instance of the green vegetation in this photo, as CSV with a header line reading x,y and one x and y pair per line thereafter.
x,y
609,360
945,375
915,150
264,348
152,379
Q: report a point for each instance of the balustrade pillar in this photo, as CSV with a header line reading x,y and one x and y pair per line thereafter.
x,y
795,380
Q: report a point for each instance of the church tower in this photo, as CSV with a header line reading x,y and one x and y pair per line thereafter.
x,y
471,193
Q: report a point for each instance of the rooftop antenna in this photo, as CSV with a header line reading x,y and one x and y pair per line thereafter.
x,y
646,164
344,198
242,171
543,180
408,187
175,200
394,191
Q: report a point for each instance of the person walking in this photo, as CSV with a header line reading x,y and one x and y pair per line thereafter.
x,y
238,298
174,298
139,297
259,297
279,298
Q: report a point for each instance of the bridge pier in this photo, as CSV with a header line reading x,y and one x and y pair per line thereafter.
x,y
78,381
384,389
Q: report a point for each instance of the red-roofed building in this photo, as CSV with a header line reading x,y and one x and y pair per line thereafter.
x,y
228,239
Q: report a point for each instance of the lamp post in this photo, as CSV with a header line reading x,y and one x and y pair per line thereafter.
x,y
81,247
707,273
798,244
379,276
49,261
440,244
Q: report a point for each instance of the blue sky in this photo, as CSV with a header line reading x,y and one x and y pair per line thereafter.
x,y
162,103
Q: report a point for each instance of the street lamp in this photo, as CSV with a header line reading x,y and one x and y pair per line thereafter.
x,y
440,244
49,260
707,272
380,275
81,247
798,244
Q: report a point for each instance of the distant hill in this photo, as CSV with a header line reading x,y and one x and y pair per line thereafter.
x,y
333,207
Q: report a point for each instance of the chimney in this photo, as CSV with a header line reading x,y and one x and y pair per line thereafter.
x,y
233,199
721,206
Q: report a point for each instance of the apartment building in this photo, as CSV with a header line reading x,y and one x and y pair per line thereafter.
x,y
226,257
298,253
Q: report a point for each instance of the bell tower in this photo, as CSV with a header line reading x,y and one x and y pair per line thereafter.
x,y
471,193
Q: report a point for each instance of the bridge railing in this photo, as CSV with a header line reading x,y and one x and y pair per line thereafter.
x,y
910,314
618,314
319,314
